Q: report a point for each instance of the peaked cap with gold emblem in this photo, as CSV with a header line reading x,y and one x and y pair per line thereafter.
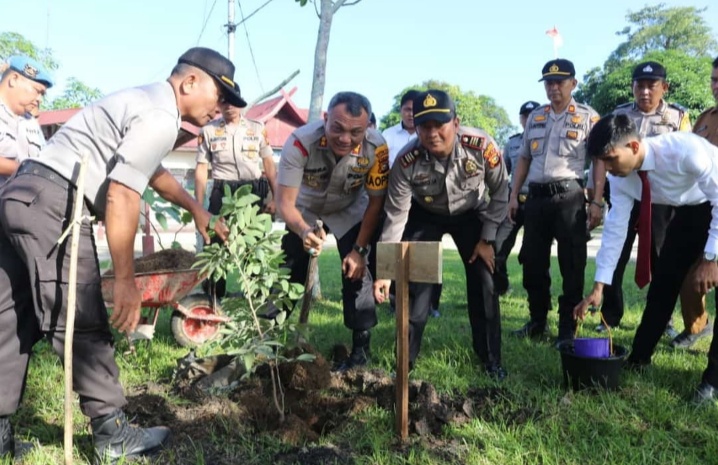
x,y
558,70
433,105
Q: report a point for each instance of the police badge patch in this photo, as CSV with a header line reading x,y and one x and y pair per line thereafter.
x,y
492,156
471,168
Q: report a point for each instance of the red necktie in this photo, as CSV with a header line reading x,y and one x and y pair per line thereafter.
x,y
643,265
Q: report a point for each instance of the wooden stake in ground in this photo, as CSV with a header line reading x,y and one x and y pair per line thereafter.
x,y
71,300
402,262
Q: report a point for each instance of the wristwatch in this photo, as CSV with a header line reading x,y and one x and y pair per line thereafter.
x,y
710,257
363,251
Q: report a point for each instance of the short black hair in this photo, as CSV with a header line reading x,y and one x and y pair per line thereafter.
x,y
715,63
408,96
372,118
608,133
354,102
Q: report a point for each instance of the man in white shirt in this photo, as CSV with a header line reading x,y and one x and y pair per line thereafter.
x,y
400,134
678,169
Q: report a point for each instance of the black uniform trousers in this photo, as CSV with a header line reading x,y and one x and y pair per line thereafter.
x,y
554,211
357,296
483,301
661,215
34,274
260,188
684,243
505,241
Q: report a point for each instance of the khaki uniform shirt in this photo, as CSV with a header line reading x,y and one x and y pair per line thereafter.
x,y
474,169
668,117
556,143
234,150
511,158
126,135
20,137
330,188
707,125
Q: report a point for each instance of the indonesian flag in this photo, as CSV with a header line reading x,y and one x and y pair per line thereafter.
x,y
556,38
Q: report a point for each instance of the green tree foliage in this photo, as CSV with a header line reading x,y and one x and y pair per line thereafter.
x,y
76,95
660,28
474,110
677,37
12,43
688,78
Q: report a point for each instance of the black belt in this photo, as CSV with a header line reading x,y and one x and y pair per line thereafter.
x,y
553,188
45,172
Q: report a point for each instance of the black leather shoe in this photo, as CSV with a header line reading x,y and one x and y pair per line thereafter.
x,y
360,351
115,438
686,340
705,394
496,371
532,329
7,439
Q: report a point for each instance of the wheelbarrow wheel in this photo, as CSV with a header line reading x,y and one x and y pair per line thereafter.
x,y
190,332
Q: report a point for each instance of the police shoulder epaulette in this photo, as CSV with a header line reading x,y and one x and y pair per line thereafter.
x,y
249,120
518,134
473,141
624,105
409,157
678,107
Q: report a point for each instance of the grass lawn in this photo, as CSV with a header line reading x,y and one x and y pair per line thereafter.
x,y
534,421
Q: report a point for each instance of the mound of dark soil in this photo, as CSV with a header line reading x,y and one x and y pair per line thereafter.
x,y
162,261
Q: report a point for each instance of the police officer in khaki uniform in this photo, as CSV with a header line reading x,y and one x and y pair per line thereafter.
x,y
438,185
336,170
508,230
234,146
652,116
552,160
125,136
22,87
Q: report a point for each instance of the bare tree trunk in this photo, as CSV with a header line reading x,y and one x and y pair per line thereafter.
x,y
326,15
320,59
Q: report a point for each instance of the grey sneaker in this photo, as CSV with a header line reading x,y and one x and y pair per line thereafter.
x,y
686,340
602,328
434,312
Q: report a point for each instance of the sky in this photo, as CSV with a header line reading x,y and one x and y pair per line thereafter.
x,y
377,47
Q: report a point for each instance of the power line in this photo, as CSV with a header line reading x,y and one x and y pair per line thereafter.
x,y
206,20
251,51
254,12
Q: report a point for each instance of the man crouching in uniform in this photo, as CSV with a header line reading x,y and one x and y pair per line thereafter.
x,y
326,170
439,186
125,136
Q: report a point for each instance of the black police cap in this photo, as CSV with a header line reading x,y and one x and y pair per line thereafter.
x,y
649,70
528,107
217,66
433,105
557,70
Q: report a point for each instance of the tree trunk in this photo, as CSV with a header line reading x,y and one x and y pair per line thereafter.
x,y
320,59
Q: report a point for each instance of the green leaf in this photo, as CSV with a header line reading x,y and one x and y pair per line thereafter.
x,y
161,219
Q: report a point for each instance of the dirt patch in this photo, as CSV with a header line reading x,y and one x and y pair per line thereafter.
x,y
162,261
317,402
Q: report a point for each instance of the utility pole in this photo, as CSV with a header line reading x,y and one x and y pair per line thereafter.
x,y
231,27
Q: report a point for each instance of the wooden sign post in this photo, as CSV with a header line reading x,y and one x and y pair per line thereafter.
x,y
403,262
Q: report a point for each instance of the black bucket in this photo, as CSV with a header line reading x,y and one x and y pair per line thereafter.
x,y
587,372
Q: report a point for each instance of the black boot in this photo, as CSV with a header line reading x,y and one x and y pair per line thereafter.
x,y
115,438
7,447
566,329
360,351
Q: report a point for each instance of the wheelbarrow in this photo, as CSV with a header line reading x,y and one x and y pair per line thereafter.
x,y
195,319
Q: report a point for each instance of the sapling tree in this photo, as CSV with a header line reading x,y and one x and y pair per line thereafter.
x,y
253,254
